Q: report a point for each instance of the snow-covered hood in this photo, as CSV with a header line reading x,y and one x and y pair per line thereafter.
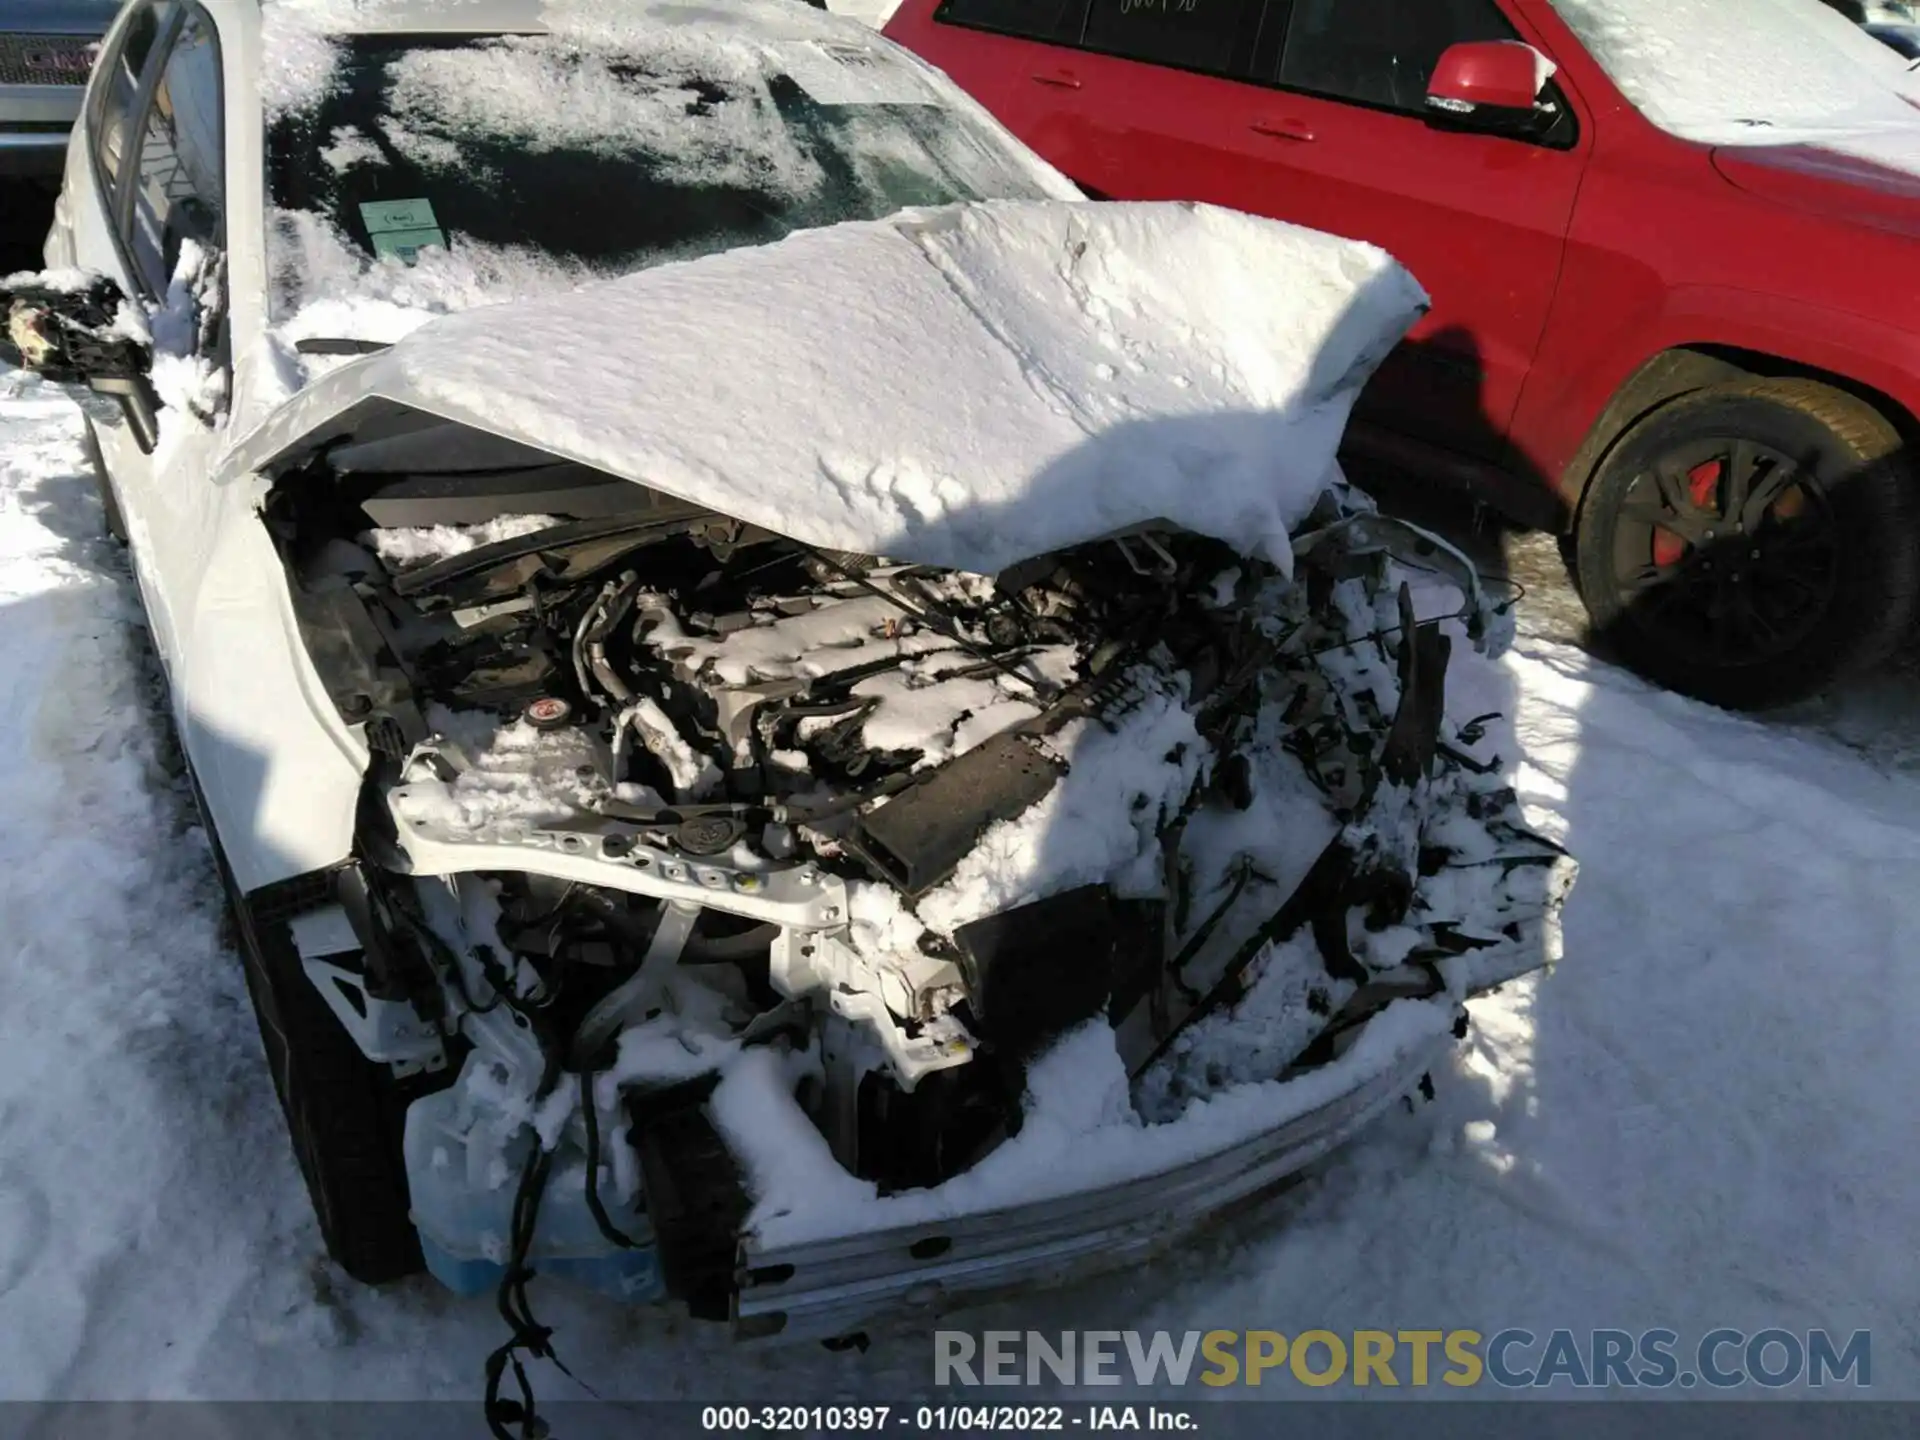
x,y
1855,187
966,386
1759,72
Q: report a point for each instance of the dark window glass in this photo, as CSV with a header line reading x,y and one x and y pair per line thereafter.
x,y
143,31
1190,34
179,182
1381,52
120,81
1034,19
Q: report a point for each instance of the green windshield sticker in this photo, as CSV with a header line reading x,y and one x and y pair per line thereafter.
x,y
402,228
384,215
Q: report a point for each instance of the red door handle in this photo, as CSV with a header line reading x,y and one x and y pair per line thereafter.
x,y
1283,129
1059,79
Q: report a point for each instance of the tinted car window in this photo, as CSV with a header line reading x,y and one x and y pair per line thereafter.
x,y
120,81
178,186
1034,19
1380,52
1190,34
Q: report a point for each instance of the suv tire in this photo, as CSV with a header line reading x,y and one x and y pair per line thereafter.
x,y
1750,543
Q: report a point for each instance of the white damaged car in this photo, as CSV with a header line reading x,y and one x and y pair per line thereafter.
x,y
796,717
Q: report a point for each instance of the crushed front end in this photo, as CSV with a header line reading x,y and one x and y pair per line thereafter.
x,y
770,928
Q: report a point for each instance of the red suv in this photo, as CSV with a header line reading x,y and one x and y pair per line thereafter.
x,y
1671,246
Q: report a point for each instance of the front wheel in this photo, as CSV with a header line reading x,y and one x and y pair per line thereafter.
x,y
345,1115
1750,543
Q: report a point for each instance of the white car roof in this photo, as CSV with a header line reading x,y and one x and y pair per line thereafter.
x,y
784,18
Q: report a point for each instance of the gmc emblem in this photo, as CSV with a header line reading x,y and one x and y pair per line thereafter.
x,y
63,62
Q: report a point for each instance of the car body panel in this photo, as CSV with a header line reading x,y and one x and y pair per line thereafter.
x,y
1071,445
1367,174
280,771
1825,183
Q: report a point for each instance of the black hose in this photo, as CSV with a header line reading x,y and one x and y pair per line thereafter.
x,y
759,813
673,814
827,809
528,1333
590,1112
942,622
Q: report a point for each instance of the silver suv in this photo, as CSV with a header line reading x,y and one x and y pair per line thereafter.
x,y
46,53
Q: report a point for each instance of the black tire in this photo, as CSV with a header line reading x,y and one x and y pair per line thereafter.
x,y
109,503
1569,546
1751,543
345,1115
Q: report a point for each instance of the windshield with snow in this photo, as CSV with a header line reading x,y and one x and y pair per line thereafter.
x,y
435,172
1747,72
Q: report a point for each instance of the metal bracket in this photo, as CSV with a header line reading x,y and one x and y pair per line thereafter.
x,y
810,957
627,1002
798,895
387,1032
875,997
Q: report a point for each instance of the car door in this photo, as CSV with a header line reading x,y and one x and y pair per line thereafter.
x,y
1125,98
1480,219
155,141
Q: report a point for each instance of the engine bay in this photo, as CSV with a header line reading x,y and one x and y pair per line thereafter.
x,y
649,788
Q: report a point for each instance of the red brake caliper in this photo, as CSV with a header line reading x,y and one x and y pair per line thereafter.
x,y
1703,485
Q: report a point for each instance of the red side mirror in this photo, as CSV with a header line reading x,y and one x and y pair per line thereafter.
x,y
1488,75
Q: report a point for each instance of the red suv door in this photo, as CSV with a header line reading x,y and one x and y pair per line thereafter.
x,y
1311,111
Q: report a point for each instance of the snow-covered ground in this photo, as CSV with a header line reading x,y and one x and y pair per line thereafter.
x,y
1701,1119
